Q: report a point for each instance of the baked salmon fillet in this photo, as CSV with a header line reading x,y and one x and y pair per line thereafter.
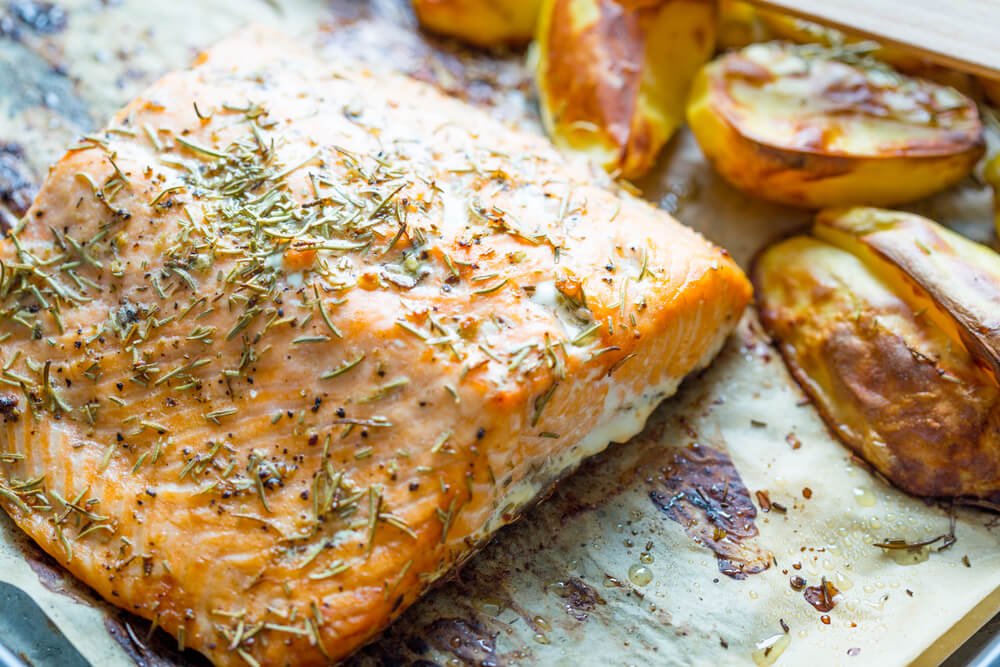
x,y
289,341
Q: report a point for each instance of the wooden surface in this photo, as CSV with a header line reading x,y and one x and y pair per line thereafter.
x,y
962,34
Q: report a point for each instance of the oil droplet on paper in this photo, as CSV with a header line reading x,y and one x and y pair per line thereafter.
x,y
864,497
767,651
913,556
489,606
842,581
640,575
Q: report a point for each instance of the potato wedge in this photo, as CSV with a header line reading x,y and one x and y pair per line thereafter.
x,y
789,28
877,324
613,76
485,23
739,24
991,90
991,174
954,280
742,23
801,127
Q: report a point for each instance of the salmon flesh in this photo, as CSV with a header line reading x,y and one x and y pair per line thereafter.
x,y
289,340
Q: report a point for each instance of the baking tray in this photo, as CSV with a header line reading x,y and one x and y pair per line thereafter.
x,y
989,656
556,586
28,637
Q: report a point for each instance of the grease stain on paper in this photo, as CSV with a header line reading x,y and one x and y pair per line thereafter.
x,y
701,489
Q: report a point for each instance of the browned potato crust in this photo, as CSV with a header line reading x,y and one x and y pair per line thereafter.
x,y
991,89
899,372
955,281
802,126
613,75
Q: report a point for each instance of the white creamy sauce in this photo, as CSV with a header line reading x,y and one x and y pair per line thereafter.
x,y
546,294
274,261
623,416
488,328
455,215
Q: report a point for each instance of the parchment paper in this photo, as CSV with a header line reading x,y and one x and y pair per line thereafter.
x,y
556,588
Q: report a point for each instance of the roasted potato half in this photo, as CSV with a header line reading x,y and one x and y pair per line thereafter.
x,y
891,324
991,90
485,23
800,126
613,75
991,174
739,24
742,23
789,28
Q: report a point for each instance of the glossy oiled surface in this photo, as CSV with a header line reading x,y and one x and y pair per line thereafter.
x,y
813,126
902,373
486,23
612,77
286,342
783,97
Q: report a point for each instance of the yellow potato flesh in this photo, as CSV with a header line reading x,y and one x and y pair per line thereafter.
x,y
784,27
893,385
739,25
746,23
956,282
783,124
739,20
991,174
612,77
484,23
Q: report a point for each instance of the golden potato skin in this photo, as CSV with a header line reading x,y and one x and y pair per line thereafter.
x,y
786,125
613,75
953,280
485,23
991,174
991,90
898,389
779,26
739,24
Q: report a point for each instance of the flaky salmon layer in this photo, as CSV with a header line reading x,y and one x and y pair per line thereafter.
x,y
288,341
